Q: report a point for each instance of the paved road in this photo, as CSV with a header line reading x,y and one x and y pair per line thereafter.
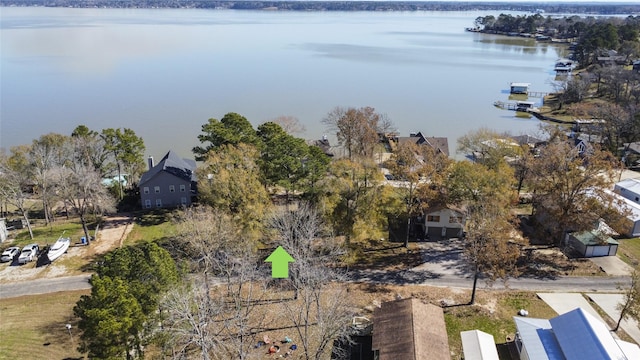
x,y
44,286
443,266
564,284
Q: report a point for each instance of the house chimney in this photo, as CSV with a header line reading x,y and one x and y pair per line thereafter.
x,y
150,160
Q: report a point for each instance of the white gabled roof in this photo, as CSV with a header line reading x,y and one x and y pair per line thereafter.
x,y
538,339
634,208
631,350
632,185
478,345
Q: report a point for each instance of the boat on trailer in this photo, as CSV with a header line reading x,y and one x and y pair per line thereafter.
x,y
58,248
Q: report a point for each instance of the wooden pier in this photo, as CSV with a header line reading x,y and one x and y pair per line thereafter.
x,y
536,94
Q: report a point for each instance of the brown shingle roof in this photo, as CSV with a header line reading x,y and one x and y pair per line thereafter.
x,y
410,330
439,143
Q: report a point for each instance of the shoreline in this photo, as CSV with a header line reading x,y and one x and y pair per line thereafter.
x,y
625,7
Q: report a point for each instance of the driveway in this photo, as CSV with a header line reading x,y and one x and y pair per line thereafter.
x,y
612,265
608,303
444,258
565,302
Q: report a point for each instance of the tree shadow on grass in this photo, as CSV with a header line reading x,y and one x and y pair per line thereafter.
x,y
58,334
153,217
397,277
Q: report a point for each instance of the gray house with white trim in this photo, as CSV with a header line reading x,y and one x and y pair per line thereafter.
x,y
170,183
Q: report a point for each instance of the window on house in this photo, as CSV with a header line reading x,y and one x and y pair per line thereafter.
x,y
433,218
637,198
172,188
183,200
146,190
455,219
182,188
147,203
156,189
158,202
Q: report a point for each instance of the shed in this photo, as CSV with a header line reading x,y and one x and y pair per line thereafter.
x,y
592,243
519,88
478,345
410,330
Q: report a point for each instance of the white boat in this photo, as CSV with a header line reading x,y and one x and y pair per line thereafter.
x,y
58,248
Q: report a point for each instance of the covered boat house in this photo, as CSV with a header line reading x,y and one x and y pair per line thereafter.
x,y
519,88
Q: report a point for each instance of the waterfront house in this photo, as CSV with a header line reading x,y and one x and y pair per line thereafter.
x,y
439,144
170,183
519,88
323,144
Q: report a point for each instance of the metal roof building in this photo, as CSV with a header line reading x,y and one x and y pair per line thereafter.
x,y
478,345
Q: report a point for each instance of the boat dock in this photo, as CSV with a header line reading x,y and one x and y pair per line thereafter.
x,y
522,106
536,112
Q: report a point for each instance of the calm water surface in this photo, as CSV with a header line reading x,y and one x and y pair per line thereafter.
x,y
164,72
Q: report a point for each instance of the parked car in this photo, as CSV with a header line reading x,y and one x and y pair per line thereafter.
x,y
10,254
28,253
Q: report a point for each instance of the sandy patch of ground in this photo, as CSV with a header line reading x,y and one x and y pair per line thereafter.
x,y
114,231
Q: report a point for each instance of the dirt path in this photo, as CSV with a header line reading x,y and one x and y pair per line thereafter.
x,y
112,234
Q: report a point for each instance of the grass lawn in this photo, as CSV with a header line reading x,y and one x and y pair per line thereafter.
x,y
49,234
629,251
33,327
384,255
493,314
151,226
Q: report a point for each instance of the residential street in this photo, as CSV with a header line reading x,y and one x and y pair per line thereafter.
x,y
413,277
443,266
44,286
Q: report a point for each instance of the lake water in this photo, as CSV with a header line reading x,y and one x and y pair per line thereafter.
x,y
164,72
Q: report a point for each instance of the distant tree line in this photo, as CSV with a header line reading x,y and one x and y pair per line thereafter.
x,y
593,36
600,8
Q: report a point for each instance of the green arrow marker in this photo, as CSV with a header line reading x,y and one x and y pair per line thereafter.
x,y
279,260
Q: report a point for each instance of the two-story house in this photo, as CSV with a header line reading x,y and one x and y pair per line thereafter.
x,y
170,183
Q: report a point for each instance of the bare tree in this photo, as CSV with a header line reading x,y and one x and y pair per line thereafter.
x,y
356,129
489,247
189,319
218,316
81,188
319,312
290,124
46,153
629,307
15,176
